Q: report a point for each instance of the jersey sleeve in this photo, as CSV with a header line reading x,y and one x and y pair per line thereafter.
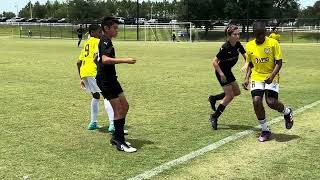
x,y
81,56
241,49
277,52
249,53
221,54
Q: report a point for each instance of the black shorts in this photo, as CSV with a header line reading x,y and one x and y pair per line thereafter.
x,y
80,36
229,75
110,89
269,93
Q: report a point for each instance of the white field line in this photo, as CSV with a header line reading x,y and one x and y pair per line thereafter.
x,y
157,170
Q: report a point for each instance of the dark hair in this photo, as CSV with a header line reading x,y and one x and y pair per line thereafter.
x,y
274,28
230,29
109,21
93,27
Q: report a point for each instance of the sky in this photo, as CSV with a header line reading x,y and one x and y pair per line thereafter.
x,y
10,5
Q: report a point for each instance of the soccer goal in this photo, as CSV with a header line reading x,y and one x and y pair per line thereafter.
x,y
183,31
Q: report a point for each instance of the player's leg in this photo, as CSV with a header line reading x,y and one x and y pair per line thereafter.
x,y
235,88
225,101
110,113
94,112
120,108
91,86
124,103
257,92
214,98
272,91
79,41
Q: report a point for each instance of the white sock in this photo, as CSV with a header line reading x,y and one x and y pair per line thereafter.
x,y
94,109
286,111
109,110
264,125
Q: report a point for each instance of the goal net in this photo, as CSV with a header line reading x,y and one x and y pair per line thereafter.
x,y
183,31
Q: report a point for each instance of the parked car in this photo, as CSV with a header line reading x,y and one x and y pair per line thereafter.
x,y
42,21
32,20
173,21
152,20
140,20
20,20
16,19
121,20
129,21
63,20
52,20
3,19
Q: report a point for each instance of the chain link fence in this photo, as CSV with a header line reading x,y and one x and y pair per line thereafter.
x,y
290,30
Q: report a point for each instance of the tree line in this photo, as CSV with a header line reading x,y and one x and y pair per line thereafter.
x,y
184,10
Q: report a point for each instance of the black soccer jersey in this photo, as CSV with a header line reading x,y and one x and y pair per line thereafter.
x,y
80,31
229,55
106,72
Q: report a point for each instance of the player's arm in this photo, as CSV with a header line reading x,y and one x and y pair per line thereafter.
x,y
95,59
248,74
79,63
106,49
110,60
274,72
215,63
244,55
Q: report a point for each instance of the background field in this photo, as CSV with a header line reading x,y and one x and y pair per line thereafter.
x,y
129,33
44,113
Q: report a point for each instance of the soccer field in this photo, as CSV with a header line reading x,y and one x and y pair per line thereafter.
x,y
44,114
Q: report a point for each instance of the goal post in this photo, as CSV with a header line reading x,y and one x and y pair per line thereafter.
x,y
164,31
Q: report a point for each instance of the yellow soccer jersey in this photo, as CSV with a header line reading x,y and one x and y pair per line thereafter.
x,y
275,36
263,58
88,67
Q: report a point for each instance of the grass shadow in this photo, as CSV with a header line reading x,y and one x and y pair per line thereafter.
x,y
139,143
283,137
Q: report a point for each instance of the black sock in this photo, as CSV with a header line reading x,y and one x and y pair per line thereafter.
x,y
219,111
118,130
79,43
219,96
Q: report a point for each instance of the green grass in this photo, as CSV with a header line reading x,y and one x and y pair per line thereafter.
x,y
44,113
289,155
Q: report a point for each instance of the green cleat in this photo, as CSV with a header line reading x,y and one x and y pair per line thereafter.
x,y
93,126
111,128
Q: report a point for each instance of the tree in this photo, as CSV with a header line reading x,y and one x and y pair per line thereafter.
x,y
8,14
39,10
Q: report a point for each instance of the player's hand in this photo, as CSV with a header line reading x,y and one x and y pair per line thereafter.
x,y
223,78
245,84
82,85
268,80
131,61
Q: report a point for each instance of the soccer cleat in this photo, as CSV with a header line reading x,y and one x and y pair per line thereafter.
x,y
126,148
265,136
289,119
93,126
123,146
212,101
214,122
111,128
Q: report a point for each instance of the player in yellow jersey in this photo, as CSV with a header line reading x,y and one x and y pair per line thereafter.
x,y
88,70
265,61
275,34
